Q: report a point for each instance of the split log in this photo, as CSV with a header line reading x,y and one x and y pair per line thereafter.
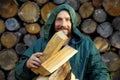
x,y
116,23
99,15
58,1
2,26
112,7
102,44
12,24
46,10
58,40
11,75
97,3
28,39
33,28
73,3
86,10
41,2
8,59
2,75
115,39
112,60
56,60
20,48
88,26
8,39
61,73
105,29
29,12
8,8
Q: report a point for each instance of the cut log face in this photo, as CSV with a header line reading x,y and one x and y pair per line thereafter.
x,y
2,26
11,75
97,3
46,10
12,24
41,2
86,10
112,7
115,40
116,23
101,44
33,28
58,1
8,59
99,15
112,61
8,39
29,39
105,29
29,12
88,26
20,48
8,9
73,3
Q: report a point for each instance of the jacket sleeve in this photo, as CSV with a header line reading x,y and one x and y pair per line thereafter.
x,y
97,69
21,71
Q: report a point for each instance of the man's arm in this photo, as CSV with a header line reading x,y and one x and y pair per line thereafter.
x,y
97,69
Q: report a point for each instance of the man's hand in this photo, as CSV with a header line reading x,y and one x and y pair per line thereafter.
x,y
34,61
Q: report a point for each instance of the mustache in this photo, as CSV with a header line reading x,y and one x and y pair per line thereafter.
x,y
62,28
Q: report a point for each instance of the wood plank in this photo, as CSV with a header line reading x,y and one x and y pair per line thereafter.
x,y
58,59
61,73
52,47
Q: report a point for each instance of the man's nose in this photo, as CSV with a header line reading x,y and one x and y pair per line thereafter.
x,y
63,23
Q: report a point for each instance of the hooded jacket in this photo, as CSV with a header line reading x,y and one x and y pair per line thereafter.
x,y
86,64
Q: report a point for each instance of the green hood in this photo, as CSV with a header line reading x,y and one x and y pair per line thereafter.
x,y
52,17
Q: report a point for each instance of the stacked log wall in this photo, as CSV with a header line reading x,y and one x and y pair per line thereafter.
x,y
22,22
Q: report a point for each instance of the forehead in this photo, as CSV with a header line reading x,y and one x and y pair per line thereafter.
x,y
63,13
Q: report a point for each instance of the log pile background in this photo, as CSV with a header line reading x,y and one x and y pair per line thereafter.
x,y
22,22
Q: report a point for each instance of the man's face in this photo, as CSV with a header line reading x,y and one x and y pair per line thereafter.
x,y
63,22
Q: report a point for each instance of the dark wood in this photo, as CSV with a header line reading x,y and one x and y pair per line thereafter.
x,y
8,8
29,12
99,15
29,39
12,24
86,9
83,1
58,1
116,23
8,59
112,60
20,48
2,26
46,10
33,28
97,3
74,3
115,75
105,29
78,18
88,26
112,7
8,39
22,31
102,44
115,39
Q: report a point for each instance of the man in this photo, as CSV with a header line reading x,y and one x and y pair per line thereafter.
x,y
86,64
